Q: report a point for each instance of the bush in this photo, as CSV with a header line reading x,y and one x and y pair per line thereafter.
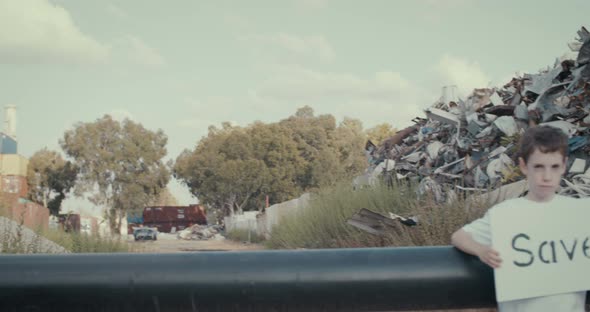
x,y
323,223
85,243
242,235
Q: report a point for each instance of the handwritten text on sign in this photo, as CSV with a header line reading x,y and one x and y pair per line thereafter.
x,y
544,249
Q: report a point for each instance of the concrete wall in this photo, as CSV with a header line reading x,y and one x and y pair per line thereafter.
x,y
262,223
277,212
246,221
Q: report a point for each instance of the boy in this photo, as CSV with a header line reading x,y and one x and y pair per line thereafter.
x,y
542,159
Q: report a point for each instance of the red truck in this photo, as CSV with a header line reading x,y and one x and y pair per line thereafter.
x,y
173,218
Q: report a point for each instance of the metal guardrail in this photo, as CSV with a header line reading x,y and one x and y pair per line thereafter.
x,y
287,280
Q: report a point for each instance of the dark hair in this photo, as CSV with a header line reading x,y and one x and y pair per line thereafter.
x,y
546,139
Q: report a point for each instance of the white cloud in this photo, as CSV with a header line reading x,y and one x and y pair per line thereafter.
x,y
287,46
36,31
304,84
141,53
314,45
465,74
217,109
385,97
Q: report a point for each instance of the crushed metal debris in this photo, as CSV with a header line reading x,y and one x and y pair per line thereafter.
x,y
471,143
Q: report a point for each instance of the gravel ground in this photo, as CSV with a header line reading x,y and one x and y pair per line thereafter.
x,y
168,243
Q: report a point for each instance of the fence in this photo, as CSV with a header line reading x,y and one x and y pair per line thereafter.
x,y
275,213
262,223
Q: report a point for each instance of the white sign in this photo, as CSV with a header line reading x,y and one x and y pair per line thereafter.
x,y
545,250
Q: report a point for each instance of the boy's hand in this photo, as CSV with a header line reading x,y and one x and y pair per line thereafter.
x,y
463,240
489,256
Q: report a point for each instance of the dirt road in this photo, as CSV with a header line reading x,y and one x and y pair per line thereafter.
x,y
168,243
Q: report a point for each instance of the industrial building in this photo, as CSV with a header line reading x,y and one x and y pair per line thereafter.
x,y
13,178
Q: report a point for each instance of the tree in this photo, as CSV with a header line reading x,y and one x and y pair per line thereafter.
x,y
235,168
120,164
330,152
50,178
380,132
349,140
312,137
61,181
165,198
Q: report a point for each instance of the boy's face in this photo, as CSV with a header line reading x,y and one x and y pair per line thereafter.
x,y
543,171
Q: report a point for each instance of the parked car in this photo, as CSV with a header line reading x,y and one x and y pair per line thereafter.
x,y
145,234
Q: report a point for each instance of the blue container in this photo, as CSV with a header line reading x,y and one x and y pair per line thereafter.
x,y
7,144
134,218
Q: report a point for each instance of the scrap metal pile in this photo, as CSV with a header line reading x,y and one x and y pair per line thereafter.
x,y
471,144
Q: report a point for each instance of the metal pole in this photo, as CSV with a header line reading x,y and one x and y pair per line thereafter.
x,y
416,278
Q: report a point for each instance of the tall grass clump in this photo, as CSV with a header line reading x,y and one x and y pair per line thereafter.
x,y
323,223
244,235
88,243
15,238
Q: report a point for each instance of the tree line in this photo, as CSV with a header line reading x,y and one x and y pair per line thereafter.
x,y
120,164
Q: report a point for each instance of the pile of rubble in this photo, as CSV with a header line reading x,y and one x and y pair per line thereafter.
x,y
471,144
200,232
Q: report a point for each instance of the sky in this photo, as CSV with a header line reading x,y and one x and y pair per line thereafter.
x,y
184,65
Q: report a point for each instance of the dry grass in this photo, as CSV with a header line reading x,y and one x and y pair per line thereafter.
x,y
323,224
244,236
15,238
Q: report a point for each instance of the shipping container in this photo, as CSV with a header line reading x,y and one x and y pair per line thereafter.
x,y
13,164
169,226
14,184
38,216
173,218
135,217
88,224
30,214
69,222
8,144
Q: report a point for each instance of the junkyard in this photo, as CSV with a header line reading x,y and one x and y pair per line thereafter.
x,y
471,143
307,155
